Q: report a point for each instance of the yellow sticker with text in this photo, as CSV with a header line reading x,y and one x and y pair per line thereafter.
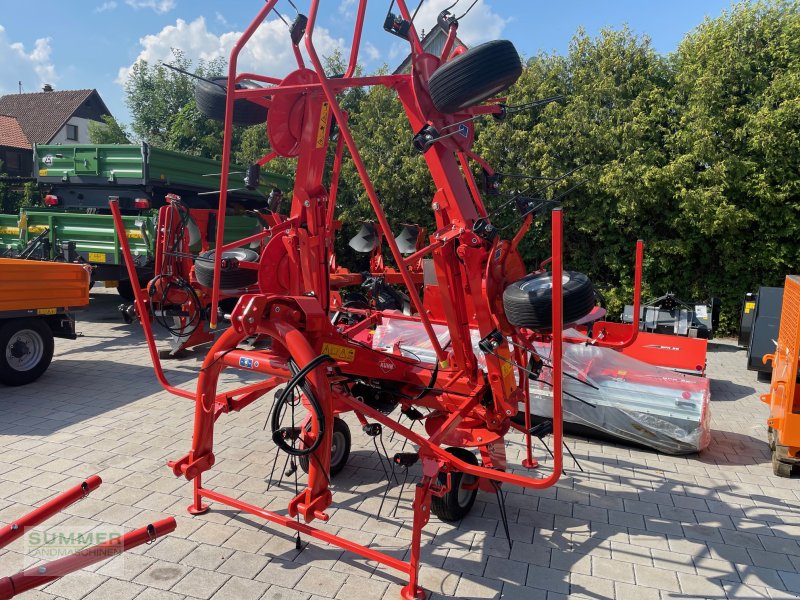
x,y
97,257
339,352
46,311
748,306
42,172
323,125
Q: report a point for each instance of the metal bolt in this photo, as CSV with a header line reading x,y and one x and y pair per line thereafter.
x,y
480,439
14,527
474,240
508,412
251,320
306,203
42,570
277,309
435,206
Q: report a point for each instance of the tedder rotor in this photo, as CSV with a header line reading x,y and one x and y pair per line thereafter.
x,y
477,310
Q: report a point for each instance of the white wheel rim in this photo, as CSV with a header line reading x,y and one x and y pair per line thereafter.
x,y
24,350
466,489
337,448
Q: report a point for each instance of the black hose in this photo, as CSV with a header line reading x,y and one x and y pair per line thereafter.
x,y
299,378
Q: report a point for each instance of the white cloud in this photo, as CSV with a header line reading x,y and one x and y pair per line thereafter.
x,y
160,6
32,68
106,6
221,19
371,51
269,51
480,25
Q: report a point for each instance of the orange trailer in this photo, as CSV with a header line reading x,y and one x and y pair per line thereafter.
x,y
783,397
36,303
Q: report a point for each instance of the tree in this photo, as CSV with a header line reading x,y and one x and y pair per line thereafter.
x,y
156,96
735,149
110,131
610,125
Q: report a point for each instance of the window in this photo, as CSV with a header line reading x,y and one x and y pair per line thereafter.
x,y
72,132
13,162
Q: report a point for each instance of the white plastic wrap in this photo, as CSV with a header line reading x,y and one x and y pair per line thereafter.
x,y
632,401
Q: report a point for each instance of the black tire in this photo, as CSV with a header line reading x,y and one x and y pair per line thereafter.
x,y
210,99
26,349
125,290
457,502
780,468
472,77
528,302
231,278
340,448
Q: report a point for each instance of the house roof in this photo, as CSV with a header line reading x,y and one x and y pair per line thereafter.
x,y
432,42
11,134
42,114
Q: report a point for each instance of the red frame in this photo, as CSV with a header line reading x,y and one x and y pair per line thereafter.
x,y
472,275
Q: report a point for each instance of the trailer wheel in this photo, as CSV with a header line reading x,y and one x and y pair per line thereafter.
x,y
780,468
26,349
210,99
458,501
232,278
528,302
340,448
472,77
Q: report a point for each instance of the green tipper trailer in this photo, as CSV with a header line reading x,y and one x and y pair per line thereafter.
x,y
84,176
77,182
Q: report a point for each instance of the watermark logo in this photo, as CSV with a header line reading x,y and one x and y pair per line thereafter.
x,y
58,542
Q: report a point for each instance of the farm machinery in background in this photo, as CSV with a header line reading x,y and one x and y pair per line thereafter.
x,y
480,331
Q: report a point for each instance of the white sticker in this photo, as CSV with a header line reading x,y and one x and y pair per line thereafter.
x,y
701,311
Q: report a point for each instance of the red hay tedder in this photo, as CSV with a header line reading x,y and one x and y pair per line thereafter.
x,y
480,311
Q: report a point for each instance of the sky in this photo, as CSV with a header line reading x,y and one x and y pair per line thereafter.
x,y
77,44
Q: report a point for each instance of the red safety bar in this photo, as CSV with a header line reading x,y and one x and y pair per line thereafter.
x,y
47,572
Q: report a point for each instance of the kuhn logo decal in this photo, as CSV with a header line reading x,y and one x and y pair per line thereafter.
x,y
386,365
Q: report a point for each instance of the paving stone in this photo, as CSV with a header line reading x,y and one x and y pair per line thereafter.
x,y
316,579
200,583
658,578
116,589
548,579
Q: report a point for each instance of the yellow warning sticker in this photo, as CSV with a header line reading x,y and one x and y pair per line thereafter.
x,y
45,311
323,125
37,228
134,234
748,306
339,352
42,172
11,230
97,257
506,369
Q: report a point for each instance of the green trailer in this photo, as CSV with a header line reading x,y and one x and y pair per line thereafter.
x,y
77,182
82,177
92,239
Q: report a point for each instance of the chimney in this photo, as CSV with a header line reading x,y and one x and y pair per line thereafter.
x,y
47,87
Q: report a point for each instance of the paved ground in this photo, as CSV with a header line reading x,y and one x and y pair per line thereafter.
x,y
635,525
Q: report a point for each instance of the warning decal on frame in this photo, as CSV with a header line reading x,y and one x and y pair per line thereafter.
x,y
323,125
339,352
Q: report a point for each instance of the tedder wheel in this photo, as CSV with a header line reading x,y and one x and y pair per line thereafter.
x,y
528,302
210,98
231,278
26,349
340,448
472,77
458,501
